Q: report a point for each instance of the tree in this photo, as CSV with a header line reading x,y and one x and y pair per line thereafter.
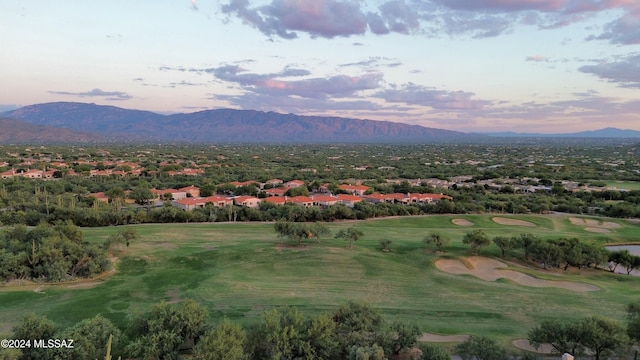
x,y
404,336
436,240
224,342
357,324
373,352
601,336
90,339
141,194
633,321
598,336
33,327
125,236
432,352
385,245
168,327
480,348
300,231
350,234
476,239
561,335
505,243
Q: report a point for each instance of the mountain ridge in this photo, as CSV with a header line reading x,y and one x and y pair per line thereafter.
x,y
226,125
89,122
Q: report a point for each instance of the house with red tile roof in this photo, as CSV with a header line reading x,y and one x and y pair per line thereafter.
x,y
276,200
200,202
192,191
354,189
274,182
303,201
100,196
324,200
275,192
294,184
248,201
9,174
377,198
33,174
348,200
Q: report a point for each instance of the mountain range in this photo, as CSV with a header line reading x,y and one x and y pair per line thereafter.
x,y
71,122
224,125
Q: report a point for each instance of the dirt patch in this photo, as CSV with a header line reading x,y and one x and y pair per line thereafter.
x,y
525,345
428,337
281,247
174,295
597,230
492,270
462,222
514,222
593,223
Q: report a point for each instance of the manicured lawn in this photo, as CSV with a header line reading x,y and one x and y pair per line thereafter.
x,y
239,270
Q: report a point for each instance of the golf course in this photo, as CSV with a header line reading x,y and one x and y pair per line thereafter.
x,y
239,270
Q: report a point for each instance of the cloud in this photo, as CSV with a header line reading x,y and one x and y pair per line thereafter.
x,y
625,72
624,30
291,104
108,95
475,18
279,83
437,99
537,58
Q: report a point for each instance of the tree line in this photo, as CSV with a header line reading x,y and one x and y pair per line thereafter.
x,y
353,331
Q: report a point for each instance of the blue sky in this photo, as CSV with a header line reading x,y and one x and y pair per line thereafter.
x,y
469,65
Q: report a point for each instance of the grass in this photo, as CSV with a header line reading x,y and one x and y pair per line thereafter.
x,y
627,185
239,270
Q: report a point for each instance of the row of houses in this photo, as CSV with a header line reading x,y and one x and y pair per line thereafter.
x,y
348,200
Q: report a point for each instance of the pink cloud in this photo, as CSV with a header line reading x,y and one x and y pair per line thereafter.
x,y
537,58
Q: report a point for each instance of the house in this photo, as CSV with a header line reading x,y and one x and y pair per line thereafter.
x,y
200,202
218,201
275,192
276,200
33,174
273,182
9,174
191,172
248,201
192,191
175,194
324,200
293,184
354,189
100,196
377,198
302,200
348,200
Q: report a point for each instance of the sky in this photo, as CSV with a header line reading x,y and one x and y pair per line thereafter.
x,y
545,66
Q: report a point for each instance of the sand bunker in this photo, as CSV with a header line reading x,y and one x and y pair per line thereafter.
x,y
507,221
593,223
462,222
489,270
525,345
427,337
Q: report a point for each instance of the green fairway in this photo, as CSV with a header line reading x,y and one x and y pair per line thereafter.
x,y
627,185
238,270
